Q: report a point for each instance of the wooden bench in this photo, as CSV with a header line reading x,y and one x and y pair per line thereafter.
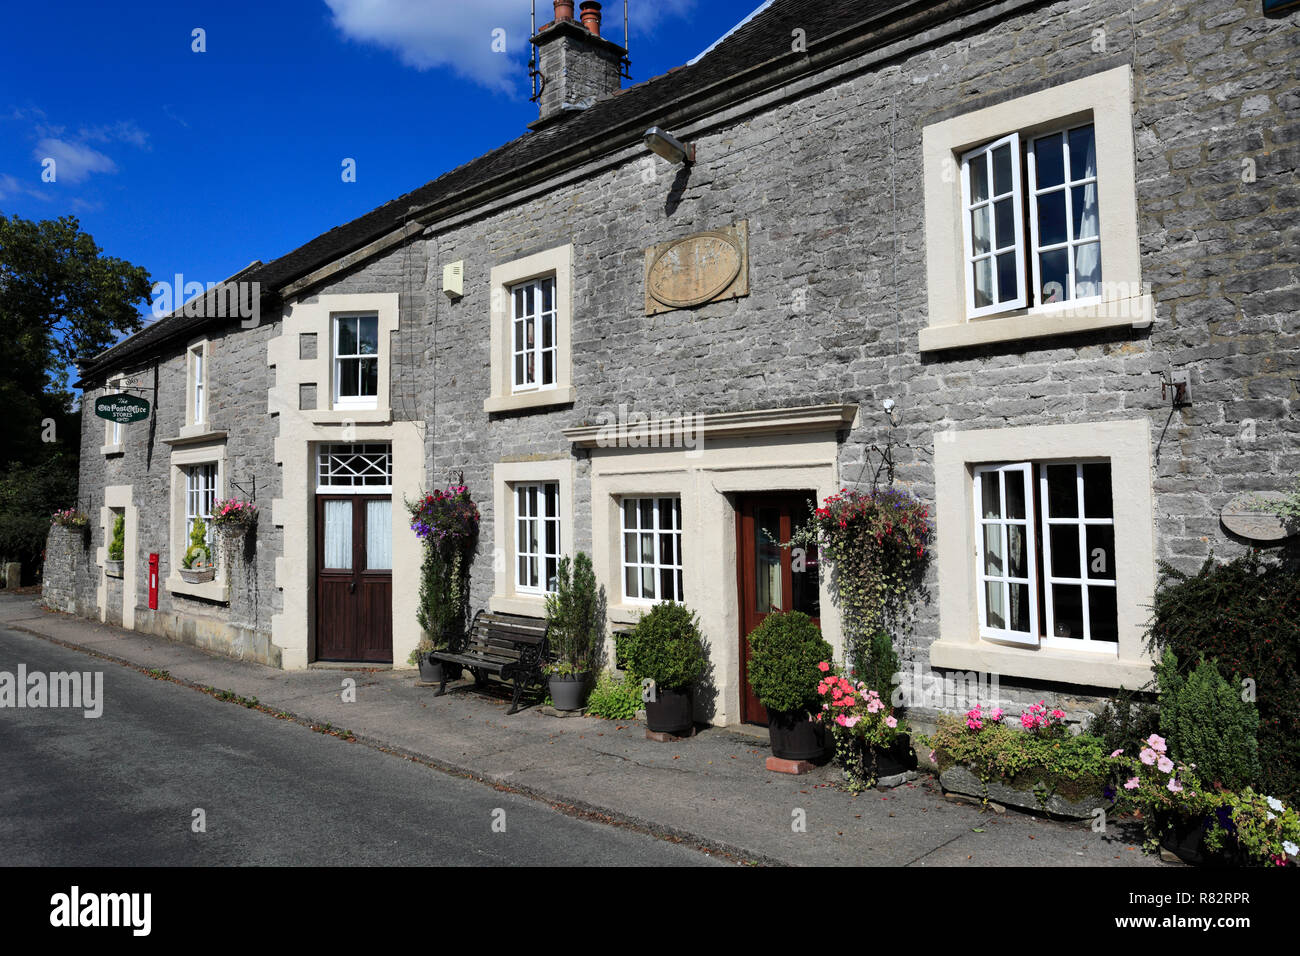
x,y
509,647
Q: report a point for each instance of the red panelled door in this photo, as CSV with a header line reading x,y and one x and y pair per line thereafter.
x,y
354,578
771,578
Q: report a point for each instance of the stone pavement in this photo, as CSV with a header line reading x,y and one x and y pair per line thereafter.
x,y
711,791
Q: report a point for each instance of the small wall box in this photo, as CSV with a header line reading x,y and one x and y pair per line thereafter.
x,y
453,279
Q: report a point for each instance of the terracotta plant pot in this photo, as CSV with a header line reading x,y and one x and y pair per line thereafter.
x,y
796,736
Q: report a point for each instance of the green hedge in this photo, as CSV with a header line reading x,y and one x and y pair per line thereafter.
x,y
1244,614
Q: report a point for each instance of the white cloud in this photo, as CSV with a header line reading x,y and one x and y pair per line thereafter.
x,y
73,161
427,35
11,186
123,131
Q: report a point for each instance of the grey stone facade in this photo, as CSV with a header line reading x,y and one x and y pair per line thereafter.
x,y
831,183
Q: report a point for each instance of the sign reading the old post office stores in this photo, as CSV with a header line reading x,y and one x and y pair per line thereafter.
x,y
122,408
702,267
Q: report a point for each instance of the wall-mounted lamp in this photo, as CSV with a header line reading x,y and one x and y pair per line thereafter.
x,y
668,146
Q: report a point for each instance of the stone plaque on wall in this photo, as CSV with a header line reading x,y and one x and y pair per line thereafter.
x,y
702,267
1247,517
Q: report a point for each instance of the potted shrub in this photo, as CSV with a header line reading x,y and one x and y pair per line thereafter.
x,y
666,648
116,548
786,650
446,522
196,565
573,618
430,671
871,741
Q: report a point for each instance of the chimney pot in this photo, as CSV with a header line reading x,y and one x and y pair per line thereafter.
x,y
563,10
590,16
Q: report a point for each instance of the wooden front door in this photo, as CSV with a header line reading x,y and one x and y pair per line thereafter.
x,y
354,578
772,578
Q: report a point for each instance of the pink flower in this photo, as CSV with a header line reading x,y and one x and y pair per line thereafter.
x,y
933,757
1156,743
1174,786
841,720
1147,756
891,721
1165,764
823,667
996,715
1132,783
850,721
1117,753
1058,714
875,706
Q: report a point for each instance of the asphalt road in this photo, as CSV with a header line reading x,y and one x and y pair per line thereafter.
x,y
122,789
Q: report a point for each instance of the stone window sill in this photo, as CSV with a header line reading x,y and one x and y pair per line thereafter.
x,y
354,416
1038,322
1050,664
214,590
562,395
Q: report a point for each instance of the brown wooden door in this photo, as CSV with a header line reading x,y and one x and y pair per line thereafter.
x,y
354,578
768,578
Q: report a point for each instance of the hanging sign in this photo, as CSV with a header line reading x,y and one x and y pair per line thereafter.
x,y
122,408
1277,6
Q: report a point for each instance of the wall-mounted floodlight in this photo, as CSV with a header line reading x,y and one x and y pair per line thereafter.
x,y
669,146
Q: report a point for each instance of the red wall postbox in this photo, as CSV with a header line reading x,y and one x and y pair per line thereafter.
x,y
153,581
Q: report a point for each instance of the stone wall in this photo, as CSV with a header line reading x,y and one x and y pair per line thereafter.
x,y
830,182
70,575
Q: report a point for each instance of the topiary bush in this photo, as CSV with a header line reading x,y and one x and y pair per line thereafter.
x,y
786,649
1207,724
1246,615
666,646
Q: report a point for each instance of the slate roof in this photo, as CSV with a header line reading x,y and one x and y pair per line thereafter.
x,y
762,44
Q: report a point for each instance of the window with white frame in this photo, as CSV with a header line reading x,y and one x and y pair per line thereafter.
x,y
652,549
198,380
200,493
1045,554
1058,258
534,348
356,361
537,536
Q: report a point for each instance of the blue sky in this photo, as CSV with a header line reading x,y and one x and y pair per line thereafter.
x,y
199,163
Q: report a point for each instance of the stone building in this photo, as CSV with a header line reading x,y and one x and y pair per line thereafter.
x,y
970,246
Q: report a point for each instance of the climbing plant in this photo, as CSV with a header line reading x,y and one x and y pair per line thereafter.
x,y
877,545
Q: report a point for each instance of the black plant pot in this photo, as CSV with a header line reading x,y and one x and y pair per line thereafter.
x,y
671,712
568,693
895,759
430,670
796,736
1185,839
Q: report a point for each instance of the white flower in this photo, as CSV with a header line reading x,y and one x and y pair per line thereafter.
x,y
1276,804
1291,848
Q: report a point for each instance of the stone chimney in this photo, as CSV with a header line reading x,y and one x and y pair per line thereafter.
x,y
577,65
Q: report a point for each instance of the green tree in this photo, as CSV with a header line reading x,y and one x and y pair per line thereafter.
x,y
61,300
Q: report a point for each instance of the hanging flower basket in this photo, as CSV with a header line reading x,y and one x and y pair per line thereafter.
x,y
447,520
233,517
